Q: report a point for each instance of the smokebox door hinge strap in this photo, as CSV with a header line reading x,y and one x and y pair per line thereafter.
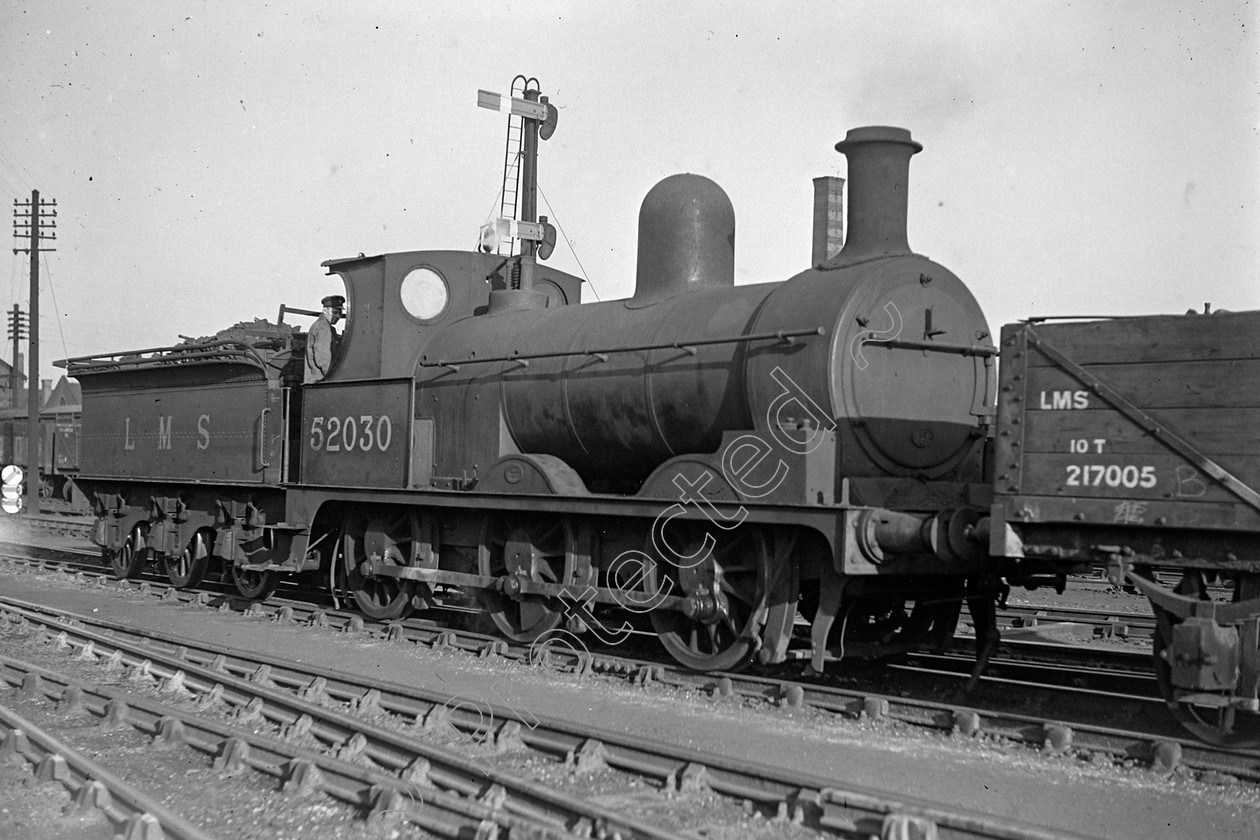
x,y
1162,433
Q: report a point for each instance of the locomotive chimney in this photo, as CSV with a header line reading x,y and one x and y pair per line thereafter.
x,y
879,172
686,239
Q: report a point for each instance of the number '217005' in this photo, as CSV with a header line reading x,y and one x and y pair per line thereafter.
x,y
347,434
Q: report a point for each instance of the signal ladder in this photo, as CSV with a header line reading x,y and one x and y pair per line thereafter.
x,y
512,162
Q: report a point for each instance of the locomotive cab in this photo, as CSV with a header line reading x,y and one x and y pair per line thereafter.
x,y
398,302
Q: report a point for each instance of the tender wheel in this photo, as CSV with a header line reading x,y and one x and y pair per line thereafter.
x,y
386,538
519,548
255,586
721,574
188,569
130,559
1222,725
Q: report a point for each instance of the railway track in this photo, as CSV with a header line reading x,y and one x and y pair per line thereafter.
x,y
380,721
1128,693
51,522
1101,623
447,800
130,811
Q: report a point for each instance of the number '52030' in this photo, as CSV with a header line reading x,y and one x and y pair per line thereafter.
x,y
346,434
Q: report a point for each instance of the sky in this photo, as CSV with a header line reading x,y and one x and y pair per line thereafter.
x,y
1080,158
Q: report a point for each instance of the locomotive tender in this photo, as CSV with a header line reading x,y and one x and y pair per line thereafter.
x,y
720,459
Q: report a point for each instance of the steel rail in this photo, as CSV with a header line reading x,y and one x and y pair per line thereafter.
x,y
1056,735
793,794
1108,622
90,785
300,769
1015,617
1065,674
262,697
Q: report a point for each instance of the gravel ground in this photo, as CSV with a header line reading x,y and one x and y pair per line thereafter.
x,y
1067,792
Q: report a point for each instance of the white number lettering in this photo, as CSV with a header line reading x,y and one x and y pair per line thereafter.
x,y
1110,475
334,428
345,434
384,432
317,433
349,431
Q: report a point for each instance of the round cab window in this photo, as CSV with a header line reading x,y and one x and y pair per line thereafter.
x,y
424,293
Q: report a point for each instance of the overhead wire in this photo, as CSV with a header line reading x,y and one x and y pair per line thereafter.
x,y
13,277
7,155
576,258
65,350
13,173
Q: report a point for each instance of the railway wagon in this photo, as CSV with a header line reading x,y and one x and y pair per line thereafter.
x,y
60,423
712,456
1134,442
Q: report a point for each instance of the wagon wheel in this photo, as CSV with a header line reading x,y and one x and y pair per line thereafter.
x,y
886,626
931,624
254,585
1224,726
516,548
722,575
189,567
127,561
384,537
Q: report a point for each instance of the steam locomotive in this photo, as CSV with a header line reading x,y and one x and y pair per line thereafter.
x,y
718,460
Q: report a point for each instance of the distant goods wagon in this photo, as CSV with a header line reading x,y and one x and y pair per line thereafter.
x,y
59,428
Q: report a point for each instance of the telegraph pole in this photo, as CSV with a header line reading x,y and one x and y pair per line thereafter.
x,y
17,331
28,219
